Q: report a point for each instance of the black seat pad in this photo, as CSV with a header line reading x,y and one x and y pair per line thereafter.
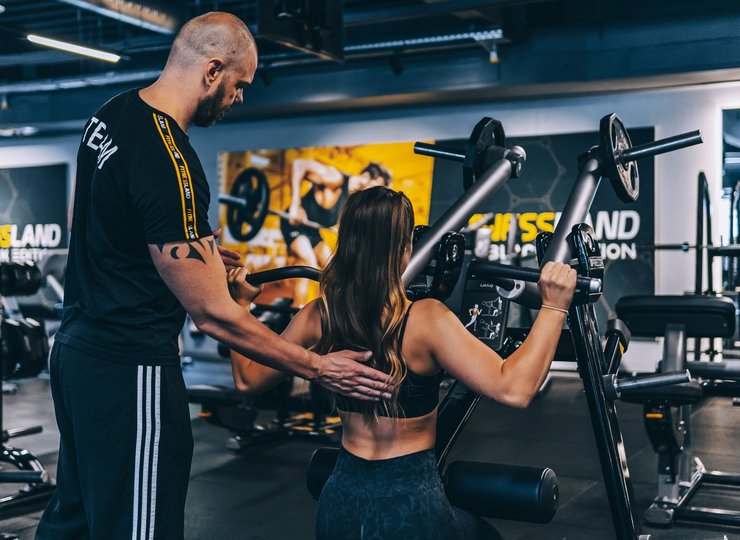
x,y
702,316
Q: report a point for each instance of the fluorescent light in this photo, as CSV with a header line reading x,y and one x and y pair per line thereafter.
x,y
77,49
24,131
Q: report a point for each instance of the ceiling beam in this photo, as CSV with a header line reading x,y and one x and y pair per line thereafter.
x,y
364,17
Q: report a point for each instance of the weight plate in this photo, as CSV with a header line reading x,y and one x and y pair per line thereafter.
x,y
486,133
623,175
245,221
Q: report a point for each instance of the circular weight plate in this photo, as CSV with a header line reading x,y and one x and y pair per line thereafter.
x,y
486,133
245,221
624,176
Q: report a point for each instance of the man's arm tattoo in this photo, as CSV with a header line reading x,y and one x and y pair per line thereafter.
x,y
195,249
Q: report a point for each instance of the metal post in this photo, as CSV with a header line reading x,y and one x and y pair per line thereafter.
x,y
608,436
575,211
457,216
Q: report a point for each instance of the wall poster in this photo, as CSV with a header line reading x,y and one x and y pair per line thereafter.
x,y
33,212
311,184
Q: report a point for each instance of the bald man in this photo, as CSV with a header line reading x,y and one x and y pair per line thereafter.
x,y
141,255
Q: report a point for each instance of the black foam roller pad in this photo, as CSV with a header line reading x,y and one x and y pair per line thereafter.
x,y
503,491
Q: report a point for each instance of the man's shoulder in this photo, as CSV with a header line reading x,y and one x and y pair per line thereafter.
x,y
114,104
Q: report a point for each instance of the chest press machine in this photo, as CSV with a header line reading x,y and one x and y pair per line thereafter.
x,y
572,242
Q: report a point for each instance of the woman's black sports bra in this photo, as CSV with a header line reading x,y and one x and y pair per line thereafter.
x,y
417,396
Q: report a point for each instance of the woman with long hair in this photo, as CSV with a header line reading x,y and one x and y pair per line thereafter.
x,y
385,484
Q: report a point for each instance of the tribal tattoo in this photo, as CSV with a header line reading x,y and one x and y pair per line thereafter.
x,y
195,249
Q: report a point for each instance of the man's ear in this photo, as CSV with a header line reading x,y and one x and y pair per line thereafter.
x,y
214,70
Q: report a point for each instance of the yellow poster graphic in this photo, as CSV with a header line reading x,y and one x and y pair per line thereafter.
x,y
284,205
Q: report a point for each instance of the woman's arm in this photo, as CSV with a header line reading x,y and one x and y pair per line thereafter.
x,y
515,381
251,377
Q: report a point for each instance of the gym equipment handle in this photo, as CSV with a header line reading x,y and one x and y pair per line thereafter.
x,y
727,369
662,146
287,272
614,387
24,477
488,270
436,151
22,432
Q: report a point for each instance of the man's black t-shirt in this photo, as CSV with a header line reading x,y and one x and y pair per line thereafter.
x,y
138,182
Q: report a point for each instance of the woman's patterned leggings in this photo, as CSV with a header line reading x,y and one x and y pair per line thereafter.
x,y
392,499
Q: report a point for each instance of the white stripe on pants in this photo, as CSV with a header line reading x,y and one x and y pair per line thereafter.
x,y
148,429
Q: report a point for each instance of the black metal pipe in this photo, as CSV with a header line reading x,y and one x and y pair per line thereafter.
x,y
22,432
24,477
726,370
436,151
736,262
453,413
615,387
287,272
698,260
662,146
709,235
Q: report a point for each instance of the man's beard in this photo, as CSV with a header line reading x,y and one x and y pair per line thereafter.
x,y
210,109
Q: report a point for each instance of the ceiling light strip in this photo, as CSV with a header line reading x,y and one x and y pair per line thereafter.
x,y
69,47
488,35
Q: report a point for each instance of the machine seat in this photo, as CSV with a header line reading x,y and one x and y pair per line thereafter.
x,y
702,316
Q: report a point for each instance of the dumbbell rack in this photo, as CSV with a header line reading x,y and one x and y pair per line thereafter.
x,y
26,468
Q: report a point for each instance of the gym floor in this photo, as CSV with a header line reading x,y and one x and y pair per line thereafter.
x,y
260,493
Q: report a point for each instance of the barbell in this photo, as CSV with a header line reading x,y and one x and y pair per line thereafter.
x,y
618,156
247,206
476,159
